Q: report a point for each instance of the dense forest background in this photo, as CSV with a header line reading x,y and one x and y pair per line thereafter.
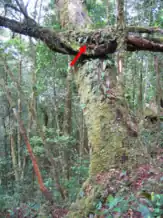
x,y
38,84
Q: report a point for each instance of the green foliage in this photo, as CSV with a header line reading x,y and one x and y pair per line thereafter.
x,y
113,205
14,47
145,212
157,203
37,145
16,43
151,208
80,173
98,12
36,141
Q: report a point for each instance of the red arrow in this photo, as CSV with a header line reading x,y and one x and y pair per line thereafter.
x,y
81,51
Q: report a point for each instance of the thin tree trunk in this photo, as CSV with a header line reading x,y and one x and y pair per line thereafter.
x,y
13,156
32,103
81,135
134,86
120,14
51,159
67,121
48,195
19,111
32,110
140,98
158,90
121,45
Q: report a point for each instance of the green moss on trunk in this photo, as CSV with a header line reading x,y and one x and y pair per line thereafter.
x,y
109,125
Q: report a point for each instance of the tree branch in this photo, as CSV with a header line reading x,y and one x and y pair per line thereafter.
x,y
22,8
137,43
149,30
11,6
99,42
34,30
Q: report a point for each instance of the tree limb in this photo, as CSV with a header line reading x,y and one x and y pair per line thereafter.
x,y
34,30
99,42
137,43
11,6
149,30
22,8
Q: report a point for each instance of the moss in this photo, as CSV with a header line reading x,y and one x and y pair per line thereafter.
x,y
111,147
82,207
75,46
104,133
87,204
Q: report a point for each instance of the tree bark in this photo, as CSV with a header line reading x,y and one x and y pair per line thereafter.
x,y
19,111
13,156
111,129
99,42
158,90
67,123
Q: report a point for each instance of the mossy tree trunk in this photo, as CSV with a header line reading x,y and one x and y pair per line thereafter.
x,y
112,132
107,117
111,129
